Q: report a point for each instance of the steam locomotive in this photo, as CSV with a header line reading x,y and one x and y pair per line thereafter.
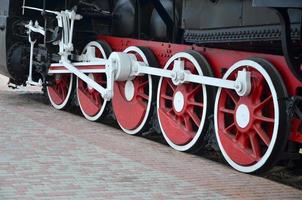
x,y
196,71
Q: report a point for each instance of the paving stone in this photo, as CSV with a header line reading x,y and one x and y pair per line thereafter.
x,y
50,154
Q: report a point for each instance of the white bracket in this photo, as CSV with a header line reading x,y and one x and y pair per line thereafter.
x,y
38,29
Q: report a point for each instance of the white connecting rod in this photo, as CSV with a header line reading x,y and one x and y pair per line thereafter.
x,y
86,78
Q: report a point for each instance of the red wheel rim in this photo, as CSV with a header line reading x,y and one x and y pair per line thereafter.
x,y
59,91
247,144
131,113
90,100
182,126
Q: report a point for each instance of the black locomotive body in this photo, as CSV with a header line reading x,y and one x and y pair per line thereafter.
x,y
230,24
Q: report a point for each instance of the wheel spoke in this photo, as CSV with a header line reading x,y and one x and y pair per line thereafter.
x,y
63,91
232,95
255,146
167,97
121,87
242,140
178,120
143,95
102,82
264,102
97,97
258,93
264,137
228,111
227,129
195,89
187,121
189,66
238,135
265,119
170,111
143,84
93,99
195,103
194,117
258,87
172,86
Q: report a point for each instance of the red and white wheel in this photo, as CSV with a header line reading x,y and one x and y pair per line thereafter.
x,y
183,109
60,91
252,130
132,100
91,102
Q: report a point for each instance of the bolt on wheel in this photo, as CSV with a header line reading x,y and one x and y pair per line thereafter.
x,y
252,130
183,109
60,91
132,100
92,104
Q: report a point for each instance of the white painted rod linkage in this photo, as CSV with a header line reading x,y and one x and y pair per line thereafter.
x,y
205,80
155,71
99,62
86,71
85,78
39,9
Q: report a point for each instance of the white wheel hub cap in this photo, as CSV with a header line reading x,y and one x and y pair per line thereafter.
x,y
129,90
243,116
178,101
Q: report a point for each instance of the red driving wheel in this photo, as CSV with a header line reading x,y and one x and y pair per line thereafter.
x,y
249,129
183,109
132,100
92,104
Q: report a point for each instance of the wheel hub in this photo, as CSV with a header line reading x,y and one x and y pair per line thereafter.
x,y
178,101
242,116
129,90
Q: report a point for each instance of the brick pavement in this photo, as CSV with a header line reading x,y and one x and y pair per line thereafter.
x,y
49,154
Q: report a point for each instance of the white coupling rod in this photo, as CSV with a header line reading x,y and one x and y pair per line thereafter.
x,y
188,77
